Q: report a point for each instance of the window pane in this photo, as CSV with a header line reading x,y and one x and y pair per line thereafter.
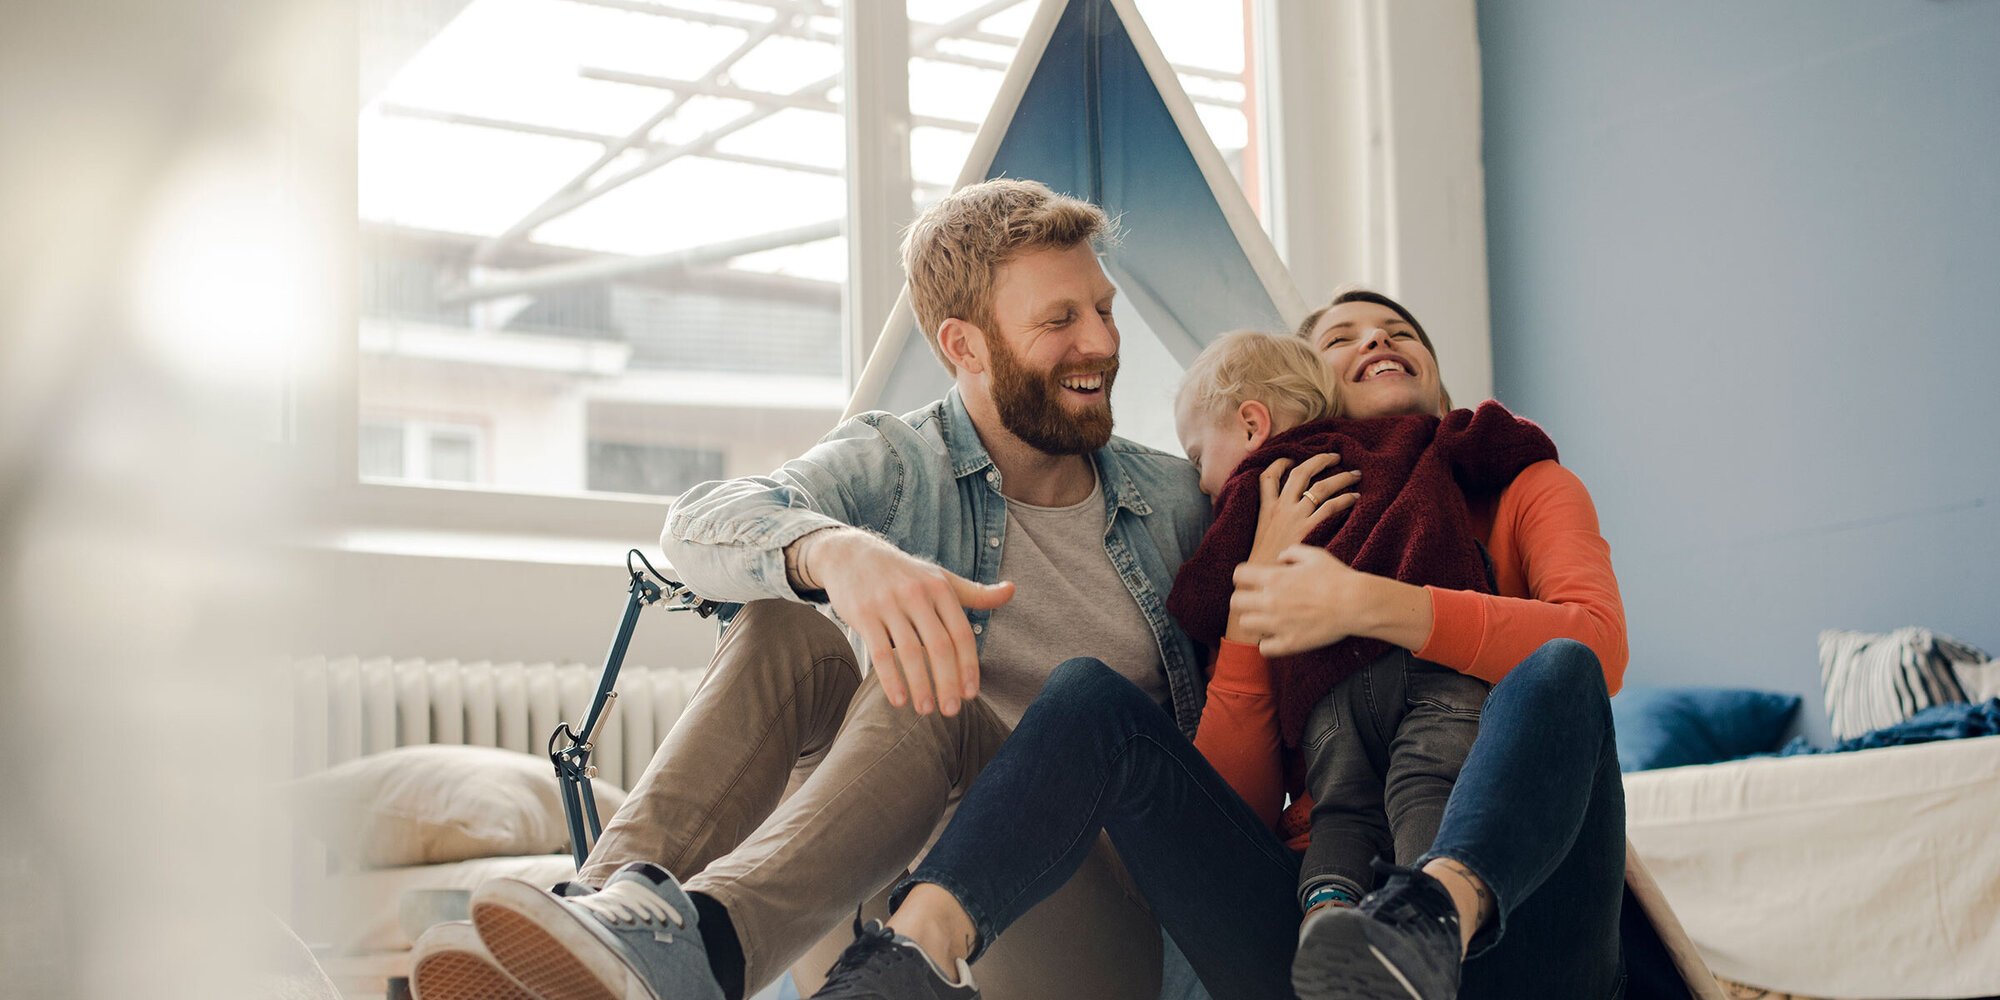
x,y
663,470
382,451
593,225
608,239
1205,44
453,457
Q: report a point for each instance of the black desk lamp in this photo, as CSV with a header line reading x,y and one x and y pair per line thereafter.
x,y
569,748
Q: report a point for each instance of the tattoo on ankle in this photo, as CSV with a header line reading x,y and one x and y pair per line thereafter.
x,y
1478,887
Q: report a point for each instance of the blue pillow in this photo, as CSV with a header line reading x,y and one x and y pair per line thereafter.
x,y
1673,726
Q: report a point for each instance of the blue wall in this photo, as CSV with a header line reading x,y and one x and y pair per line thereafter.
x,y
1745,265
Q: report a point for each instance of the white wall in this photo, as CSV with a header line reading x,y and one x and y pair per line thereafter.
x,y
379,603
1375,164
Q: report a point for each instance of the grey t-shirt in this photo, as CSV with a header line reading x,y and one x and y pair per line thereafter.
x,y
1068,602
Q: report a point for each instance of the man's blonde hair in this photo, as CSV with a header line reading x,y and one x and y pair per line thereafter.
x,y
1283,373
952,251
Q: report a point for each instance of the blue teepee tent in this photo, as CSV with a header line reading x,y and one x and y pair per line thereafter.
x,y
1091,108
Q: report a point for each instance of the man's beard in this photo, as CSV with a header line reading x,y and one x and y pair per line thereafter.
x,y
1031,406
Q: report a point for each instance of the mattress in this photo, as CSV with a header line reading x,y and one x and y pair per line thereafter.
x,y
1871,875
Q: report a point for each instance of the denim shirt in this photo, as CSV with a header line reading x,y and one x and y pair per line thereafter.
x,y
925,482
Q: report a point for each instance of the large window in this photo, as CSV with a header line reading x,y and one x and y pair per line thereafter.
x,y
606,236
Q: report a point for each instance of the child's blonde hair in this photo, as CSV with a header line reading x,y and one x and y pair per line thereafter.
x,y
1283,373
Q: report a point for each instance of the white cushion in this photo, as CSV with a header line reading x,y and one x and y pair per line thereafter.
x,y
435,803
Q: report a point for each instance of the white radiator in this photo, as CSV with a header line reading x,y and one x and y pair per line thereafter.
x,y
344,707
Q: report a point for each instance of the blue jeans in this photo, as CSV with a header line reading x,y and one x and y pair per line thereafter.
x,y
1538,813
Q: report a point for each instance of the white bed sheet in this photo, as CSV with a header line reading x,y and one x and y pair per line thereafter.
x,y
1871,874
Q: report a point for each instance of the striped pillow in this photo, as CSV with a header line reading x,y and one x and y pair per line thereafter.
x,y
1874,679
1981,681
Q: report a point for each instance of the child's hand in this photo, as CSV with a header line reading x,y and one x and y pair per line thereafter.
x,y
1291,506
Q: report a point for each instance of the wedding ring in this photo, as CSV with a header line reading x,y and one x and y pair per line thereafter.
x,y
1308,497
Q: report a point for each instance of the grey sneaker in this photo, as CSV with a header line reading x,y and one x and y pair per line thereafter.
x,y
884,965
634,939
1401,942
449,963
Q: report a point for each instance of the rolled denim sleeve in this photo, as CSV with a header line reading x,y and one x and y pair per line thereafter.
x,y
726,539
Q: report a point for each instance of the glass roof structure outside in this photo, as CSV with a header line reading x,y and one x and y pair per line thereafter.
x,y
603,239
707,127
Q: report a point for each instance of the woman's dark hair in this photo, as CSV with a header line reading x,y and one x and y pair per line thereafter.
x,y
1364,295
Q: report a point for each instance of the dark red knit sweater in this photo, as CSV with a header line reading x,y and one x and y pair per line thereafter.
x,y
1409,523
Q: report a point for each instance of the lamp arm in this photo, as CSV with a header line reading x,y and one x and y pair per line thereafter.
x,y
570,747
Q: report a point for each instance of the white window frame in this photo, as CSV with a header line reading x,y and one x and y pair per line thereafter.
x,y
1379,183
1372,119
418,433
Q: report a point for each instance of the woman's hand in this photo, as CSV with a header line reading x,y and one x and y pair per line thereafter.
x,y
1291,505
1285,515
1309,599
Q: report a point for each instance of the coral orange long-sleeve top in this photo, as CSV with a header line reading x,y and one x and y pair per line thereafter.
x,y
1555,582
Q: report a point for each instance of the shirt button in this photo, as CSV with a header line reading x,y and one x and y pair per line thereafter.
x,y
993,541
978,630
992,475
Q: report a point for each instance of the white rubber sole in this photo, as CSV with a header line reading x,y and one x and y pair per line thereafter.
x,y
549,949
450,963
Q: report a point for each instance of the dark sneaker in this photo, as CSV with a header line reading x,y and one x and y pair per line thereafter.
x,y
1402,942
634,939
449,963
884,965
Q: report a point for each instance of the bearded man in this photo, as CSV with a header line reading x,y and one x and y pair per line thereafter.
x,y
972,546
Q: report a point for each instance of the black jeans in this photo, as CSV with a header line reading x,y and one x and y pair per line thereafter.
x,y
1383,750
1538,812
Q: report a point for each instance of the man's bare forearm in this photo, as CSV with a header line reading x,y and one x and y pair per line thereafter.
x,y
798,559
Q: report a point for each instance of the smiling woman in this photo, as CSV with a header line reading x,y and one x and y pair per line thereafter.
x,y
1369,337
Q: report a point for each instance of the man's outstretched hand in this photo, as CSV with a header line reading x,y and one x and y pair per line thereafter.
x,y
910,613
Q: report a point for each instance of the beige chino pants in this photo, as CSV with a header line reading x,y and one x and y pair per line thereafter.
x,y
791,792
